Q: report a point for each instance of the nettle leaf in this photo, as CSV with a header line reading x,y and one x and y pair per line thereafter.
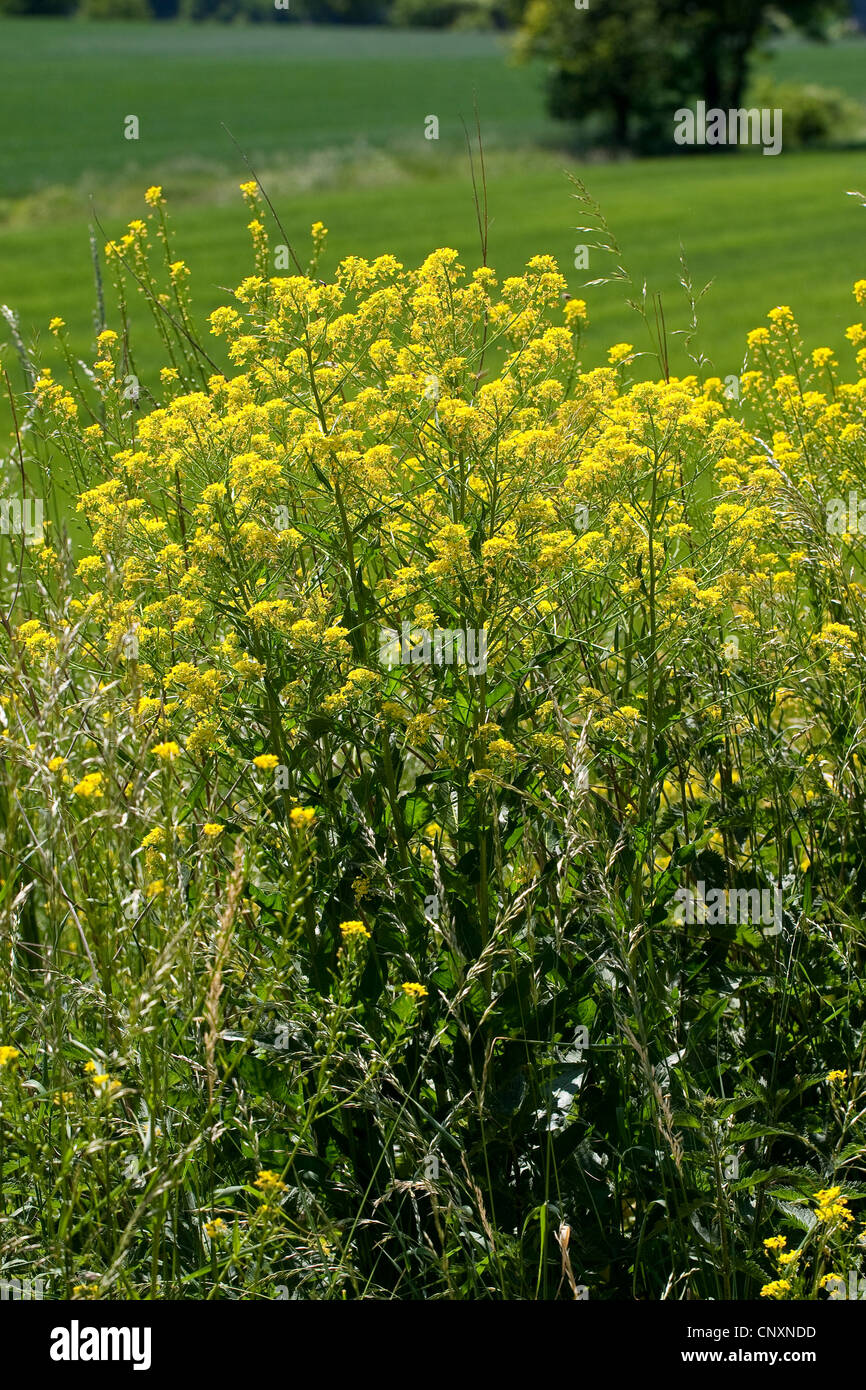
x,y
741,1134
800,1215
684,1120
759,1178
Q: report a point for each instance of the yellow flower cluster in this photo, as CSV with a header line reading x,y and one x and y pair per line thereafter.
x,y
832,1208
300,550
354,931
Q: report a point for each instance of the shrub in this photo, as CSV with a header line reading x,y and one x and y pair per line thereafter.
x,y
812,115
333,967
317,11
451,14
116,9
37,7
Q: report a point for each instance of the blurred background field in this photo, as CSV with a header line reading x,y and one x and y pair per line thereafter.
x,y
332,117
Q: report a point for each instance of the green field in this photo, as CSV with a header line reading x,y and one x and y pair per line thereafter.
x,y
334,121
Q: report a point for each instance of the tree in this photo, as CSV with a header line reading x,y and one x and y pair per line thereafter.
x,y
40,7
627,65
608,64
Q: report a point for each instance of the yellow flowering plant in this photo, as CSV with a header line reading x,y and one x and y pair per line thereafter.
x,y
401,752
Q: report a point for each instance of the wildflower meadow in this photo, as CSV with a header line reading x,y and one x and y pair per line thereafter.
x,y
432,794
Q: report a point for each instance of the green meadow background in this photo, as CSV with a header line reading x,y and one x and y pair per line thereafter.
x,y
333,121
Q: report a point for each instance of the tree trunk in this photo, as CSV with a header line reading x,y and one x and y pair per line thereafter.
x,y
622,109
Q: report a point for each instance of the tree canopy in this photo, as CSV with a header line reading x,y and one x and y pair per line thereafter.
x,y
628,65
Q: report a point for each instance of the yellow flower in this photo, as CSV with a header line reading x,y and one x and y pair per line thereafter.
x,y
302,817
202,737
55,764
575,312
153,197
860,291
8,1054
822,357
354,931
827,1194
105,1084
269,1182
414,990
266,761
55,325
165,751
211,828
777,1288
775,1243
833,1076
89,786
619,353
832,1207
216,1228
